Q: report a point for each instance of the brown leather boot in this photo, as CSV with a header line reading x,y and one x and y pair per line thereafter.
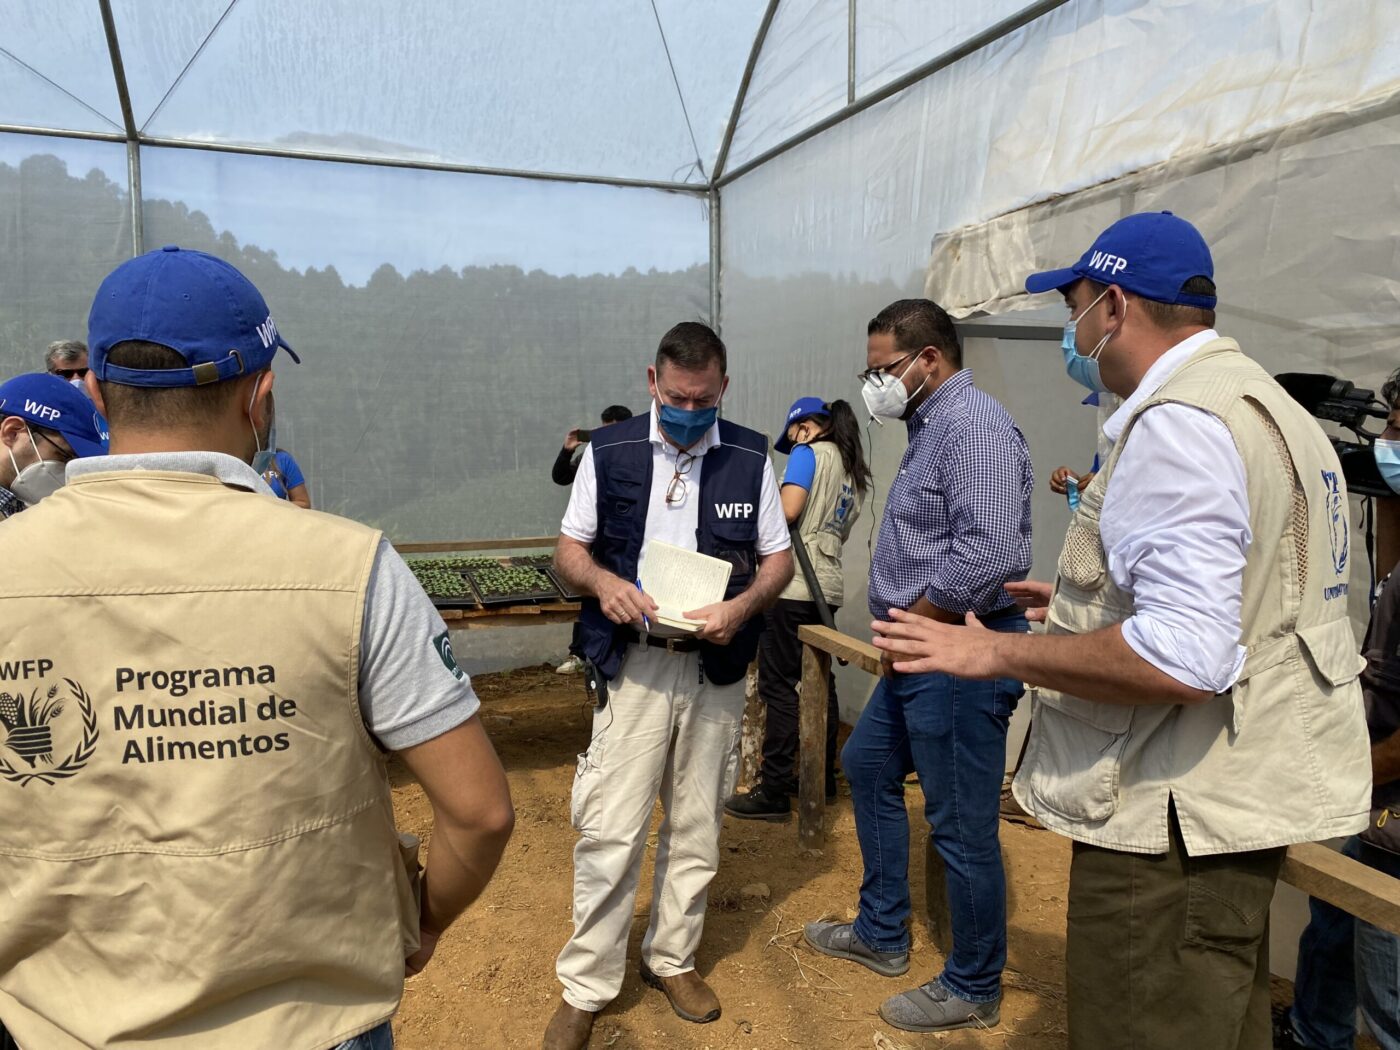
x,y
569,1028
690,997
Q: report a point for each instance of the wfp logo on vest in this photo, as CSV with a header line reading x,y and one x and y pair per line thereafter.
x,y
734,510
39,722
267,332
1336,531
1107,263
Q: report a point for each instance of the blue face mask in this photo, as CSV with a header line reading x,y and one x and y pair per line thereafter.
x,y
1083,370
687,425
1387,455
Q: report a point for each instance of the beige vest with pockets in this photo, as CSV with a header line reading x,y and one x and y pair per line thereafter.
x,y
832,507
197,847
1283,756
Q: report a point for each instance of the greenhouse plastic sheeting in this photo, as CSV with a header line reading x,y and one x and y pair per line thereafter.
x,y
894,37
65,222
1087,93
582,89
452,333
158,41
800,77
55,71
816,241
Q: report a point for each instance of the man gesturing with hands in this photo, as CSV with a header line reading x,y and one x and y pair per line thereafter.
x,y
1197,706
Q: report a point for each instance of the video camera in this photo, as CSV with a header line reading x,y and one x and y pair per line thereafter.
x,y
1343,402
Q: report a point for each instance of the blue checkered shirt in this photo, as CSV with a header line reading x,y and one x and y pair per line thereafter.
x,y
957,522
10,504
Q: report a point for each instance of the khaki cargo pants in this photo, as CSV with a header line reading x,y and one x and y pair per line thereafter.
x,y
1169,951
664,734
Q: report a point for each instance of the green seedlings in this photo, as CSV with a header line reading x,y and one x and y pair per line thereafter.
x,y
499,582
439,582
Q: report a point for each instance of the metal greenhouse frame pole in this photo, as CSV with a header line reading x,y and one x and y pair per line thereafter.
x,y
991,35
715,234
742,94
133,145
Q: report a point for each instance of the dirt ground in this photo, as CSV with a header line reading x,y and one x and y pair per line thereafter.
x,y
491,984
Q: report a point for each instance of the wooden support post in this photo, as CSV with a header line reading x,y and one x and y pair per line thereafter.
x,y
811,731
940,923
751,739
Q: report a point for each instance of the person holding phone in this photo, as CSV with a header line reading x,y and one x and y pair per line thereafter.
x,y
566,463
565,468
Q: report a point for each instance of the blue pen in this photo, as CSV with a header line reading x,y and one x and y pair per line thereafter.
x,y
646,623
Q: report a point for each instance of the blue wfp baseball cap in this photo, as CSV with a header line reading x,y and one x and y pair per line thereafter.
x,y
47,401
195,304
802,408
1151,254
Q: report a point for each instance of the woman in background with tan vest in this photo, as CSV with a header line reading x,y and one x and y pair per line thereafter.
x,y
823,490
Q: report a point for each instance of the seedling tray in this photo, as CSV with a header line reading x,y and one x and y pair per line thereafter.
x,y
570,595
504,585
532,561
445,582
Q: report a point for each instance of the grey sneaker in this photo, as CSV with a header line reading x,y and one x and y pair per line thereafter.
x,y
933,1008
839,940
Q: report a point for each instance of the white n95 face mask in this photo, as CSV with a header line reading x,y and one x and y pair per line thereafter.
x,y
885,396
40,479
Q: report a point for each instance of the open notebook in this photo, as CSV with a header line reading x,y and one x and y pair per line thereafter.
x,y
681,581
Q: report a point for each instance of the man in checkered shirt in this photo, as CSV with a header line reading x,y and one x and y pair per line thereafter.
x,y
956,528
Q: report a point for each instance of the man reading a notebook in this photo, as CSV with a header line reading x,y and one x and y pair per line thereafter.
x,y
677,477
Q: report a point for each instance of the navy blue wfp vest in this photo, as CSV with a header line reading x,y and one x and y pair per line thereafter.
x,y
731,483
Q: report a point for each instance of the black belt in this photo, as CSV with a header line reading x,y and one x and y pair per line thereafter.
x,y
685,644
997,614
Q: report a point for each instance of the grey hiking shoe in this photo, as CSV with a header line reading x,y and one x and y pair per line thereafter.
x,y
839,940
933,1008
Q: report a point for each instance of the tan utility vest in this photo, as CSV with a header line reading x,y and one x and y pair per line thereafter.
x,y
832,507
1283,756
197,848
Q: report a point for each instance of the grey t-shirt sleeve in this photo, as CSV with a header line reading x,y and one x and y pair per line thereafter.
x,y
411,689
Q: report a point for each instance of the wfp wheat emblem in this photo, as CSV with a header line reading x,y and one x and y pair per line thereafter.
x,y
33,724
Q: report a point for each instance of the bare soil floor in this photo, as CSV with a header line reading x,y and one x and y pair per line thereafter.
x,y
492,985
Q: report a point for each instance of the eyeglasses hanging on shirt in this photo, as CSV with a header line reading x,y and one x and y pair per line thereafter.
x,y
675,492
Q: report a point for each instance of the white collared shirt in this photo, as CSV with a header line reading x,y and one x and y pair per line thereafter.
x,y
673,523
1175,528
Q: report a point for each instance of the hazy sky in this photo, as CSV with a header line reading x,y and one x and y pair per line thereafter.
x,y
357,217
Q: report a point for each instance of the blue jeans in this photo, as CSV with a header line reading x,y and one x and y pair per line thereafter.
x,y
1344,963
381,1038
952,731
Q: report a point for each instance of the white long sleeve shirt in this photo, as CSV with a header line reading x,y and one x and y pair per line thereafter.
x,y
1175,528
